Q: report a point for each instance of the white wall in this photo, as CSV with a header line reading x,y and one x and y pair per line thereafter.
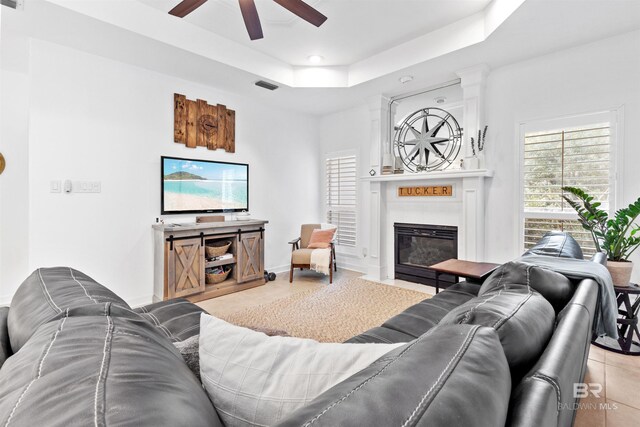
x,y
349,130
14,182
588,78
95,119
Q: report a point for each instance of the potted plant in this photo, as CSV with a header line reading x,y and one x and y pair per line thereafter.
x,y
616,236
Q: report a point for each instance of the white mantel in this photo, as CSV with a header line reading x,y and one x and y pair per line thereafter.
x,y
430,176
467,206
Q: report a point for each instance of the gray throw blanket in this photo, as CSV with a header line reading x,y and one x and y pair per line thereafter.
x,y
605,318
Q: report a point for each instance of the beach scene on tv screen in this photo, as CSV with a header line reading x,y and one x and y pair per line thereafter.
x,y
191,185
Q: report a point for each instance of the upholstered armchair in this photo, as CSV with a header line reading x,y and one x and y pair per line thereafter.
x,y
301,253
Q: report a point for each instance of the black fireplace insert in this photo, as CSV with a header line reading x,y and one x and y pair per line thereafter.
x,y
418,246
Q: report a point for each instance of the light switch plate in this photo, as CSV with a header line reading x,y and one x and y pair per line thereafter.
x,y
55,186
87,187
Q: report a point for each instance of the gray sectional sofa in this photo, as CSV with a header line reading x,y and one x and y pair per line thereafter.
x,y
505,352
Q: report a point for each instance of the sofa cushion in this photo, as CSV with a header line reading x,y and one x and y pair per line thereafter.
x,y
522,317
5,347
555,287
47,293
178,319
557,244
255,380
101,370
419,318
380,334
454,375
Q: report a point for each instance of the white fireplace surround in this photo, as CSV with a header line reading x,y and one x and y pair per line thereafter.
x,y
464,209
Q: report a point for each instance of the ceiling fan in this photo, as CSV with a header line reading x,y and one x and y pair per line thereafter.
x,y
250,13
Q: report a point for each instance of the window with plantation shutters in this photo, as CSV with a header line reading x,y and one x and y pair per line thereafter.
x,y
341,197
575,155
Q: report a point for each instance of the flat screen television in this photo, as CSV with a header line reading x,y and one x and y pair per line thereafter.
x,y
203,186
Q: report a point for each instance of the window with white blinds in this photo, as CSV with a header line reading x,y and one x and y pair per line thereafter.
x,y
576,156
342,197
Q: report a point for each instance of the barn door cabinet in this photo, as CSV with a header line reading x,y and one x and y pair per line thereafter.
x,y
180,261
250,257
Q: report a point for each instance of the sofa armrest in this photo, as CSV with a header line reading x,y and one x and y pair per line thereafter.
x,y
600,258
5,346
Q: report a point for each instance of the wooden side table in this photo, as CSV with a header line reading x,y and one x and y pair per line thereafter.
x,y
476,271
628,335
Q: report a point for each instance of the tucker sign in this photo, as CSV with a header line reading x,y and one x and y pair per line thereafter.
x,y
434,190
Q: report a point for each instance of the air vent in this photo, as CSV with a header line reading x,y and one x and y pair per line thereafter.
x,y
264,84
13,4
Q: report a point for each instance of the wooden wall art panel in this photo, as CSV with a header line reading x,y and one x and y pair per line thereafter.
x,y
198,124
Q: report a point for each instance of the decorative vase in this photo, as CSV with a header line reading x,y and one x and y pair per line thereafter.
x,y
620,272
481,164
471,163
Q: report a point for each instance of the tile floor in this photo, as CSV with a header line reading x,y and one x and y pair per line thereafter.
x,y
618,405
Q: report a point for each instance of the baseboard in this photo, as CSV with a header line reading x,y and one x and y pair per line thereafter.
x,y
278,269
140,301
5,300
359,268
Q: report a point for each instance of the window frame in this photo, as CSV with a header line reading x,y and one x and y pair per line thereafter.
x,y
343,249
615,118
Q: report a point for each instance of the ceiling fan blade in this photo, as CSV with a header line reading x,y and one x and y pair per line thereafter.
x,y
185,7
303,10
251,19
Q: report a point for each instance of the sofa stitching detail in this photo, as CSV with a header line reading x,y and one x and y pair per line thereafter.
x,y
445,374
99,419
39,375
82,286
48,297
553,383
379,337
173,319
169,305
467,316
501,321
186,330
160,325
564,241
343,398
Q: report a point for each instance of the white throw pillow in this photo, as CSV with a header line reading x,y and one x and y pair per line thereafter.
x,y
256,380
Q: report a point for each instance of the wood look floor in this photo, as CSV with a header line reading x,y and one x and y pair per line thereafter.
x,y
618,406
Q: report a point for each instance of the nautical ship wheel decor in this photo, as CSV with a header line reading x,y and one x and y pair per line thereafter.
x,y
428,139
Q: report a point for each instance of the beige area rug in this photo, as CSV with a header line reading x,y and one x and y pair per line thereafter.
x,y
333,313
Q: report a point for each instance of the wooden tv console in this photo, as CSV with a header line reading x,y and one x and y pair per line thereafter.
x,y
180,261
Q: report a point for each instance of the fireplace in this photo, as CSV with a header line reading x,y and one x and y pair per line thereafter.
x,y
418,246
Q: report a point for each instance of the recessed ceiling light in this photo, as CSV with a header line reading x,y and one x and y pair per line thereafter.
x,y
405,79
440,100
315,59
